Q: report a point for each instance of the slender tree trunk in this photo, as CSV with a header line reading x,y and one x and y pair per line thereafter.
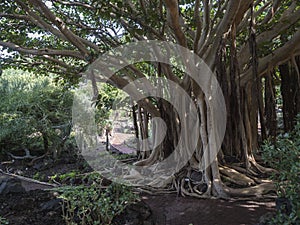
x,y
144,145
136,130
107,139
290,94
270,106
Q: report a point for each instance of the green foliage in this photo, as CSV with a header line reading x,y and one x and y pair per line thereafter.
x,y
284,156
61,178
35,112
94,204
109,99
106,99
3,221
39,176
71,174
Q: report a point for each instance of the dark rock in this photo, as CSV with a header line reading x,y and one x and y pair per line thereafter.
x,y
10,185
51,205
202,187
283,205
24,209
38,166
135,214
196,176
266,218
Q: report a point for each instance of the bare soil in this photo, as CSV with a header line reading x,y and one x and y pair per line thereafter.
x,y
173,210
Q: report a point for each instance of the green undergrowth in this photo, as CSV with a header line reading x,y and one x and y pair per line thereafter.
x,y
94,204
284,156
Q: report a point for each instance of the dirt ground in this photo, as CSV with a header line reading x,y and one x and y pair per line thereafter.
x,y
42,208
36,207
173,210
39,207
32,208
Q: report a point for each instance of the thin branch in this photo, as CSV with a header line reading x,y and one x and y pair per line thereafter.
x,y
283,24
233,8
26,156
118,13
245,21
45,62
58,62
257,3
127,27
198,24
206,23
42,52
272,11
28,179
142,4
219,10
15,16
74,3
42,8
38,21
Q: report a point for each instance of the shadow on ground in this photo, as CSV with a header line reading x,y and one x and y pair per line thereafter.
x,y
173,210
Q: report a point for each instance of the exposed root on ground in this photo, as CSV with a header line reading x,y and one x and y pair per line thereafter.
x,y
26,156
234,182
246,179
256,191
28,183
236,177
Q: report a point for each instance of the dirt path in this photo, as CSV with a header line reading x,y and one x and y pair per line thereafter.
x,y
173,210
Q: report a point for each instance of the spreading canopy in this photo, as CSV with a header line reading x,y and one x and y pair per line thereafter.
x,y
64,36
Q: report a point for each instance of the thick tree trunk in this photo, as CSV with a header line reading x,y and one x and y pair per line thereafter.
x,y
168,115
243,104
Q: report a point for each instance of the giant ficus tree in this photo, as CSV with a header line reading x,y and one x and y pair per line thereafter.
x,y
240,40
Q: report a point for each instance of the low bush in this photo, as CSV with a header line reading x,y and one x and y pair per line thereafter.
x,y
91,205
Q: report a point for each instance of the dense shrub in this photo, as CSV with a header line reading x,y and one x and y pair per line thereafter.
x,y
35,112
284,156
91,205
